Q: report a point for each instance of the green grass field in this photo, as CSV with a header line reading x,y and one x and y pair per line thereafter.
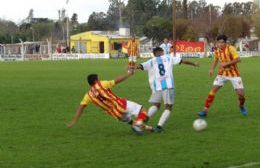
x,y
38,99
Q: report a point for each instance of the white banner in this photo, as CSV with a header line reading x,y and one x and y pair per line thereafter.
x,y
79,56
181,54
191,54
249,53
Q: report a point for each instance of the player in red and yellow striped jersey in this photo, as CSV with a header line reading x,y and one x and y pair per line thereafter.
x,y
121,109
133,52
228,71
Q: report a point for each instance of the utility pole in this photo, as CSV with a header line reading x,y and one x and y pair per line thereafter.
x,y
67,20
174,25
210,15
32,33
120,14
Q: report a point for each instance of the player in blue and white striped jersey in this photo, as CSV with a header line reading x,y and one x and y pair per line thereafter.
x,y
160,73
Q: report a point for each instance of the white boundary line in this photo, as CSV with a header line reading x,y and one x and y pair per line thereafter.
x,y
246,165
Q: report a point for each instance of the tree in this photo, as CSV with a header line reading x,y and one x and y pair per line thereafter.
x,y
116,14
8,32
140,11
158,28
98,21
236,8
74,23
256,22
185,9
234,26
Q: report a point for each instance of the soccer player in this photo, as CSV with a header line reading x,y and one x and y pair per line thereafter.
x,y
160,73
133,52
166,46
121,109
228,71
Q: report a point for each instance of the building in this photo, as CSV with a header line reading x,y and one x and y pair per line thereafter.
x,y
101,42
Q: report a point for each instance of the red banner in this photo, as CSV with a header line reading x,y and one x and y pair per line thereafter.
x,y
186,46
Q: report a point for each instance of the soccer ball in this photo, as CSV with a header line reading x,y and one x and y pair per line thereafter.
x,y
199,125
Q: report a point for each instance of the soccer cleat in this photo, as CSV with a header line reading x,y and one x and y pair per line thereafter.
x,y
158,129
202,114
148,128
137,130
243,111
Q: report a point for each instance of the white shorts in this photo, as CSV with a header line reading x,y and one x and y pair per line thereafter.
x,y
236,81
166,95
132,110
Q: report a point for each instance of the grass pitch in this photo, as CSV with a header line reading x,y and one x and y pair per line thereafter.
x,y
38,99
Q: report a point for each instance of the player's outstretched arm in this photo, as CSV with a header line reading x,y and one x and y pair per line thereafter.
x,y
195,64
77,116
124,77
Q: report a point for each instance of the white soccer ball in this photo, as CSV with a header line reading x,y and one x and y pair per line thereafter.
x,y
199,125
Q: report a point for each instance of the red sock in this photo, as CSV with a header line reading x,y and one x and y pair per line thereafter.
x,y
209,100
142,116
241,101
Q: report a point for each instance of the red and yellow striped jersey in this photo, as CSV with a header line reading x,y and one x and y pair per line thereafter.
x,y
101,95
132,47
228,54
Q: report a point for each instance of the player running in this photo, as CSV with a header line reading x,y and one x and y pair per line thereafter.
x,y
160,73
228,71
121,109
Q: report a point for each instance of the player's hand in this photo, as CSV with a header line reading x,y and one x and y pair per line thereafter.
x,y
224,65
211,72
130,71
70,125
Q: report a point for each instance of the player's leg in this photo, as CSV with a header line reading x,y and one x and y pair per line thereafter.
x,y
242,99
140,115
155,99
130,60
168,98
217,84
153,109
239,88
209,100
134,61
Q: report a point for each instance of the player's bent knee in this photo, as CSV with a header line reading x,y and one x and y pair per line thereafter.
x,y
158,105
168,107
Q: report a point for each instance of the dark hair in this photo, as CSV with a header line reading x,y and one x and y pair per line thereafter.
x,y
156,49
222,37
92,78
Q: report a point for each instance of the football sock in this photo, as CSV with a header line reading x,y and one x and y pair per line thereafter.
x,y
164,117
152,110
142,116
241,101
209,100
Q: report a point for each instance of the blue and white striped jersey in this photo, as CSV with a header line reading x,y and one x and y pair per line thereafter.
x,y
160,71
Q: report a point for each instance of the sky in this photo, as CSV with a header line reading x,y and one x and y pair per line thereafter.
x,y
17,10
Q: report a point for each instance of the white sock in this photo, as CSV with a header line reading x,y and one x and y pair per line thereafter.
x,y
152,111
134,58
164,117
130,59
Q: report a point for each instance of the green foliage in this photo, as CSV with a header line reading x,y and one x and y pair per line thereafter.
x,y
256,20
235,26
158,28
194,19
97,21
74,23
39,98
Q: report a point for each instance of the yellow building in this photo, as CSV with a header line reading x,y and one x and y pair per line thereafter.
x,y
99,42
